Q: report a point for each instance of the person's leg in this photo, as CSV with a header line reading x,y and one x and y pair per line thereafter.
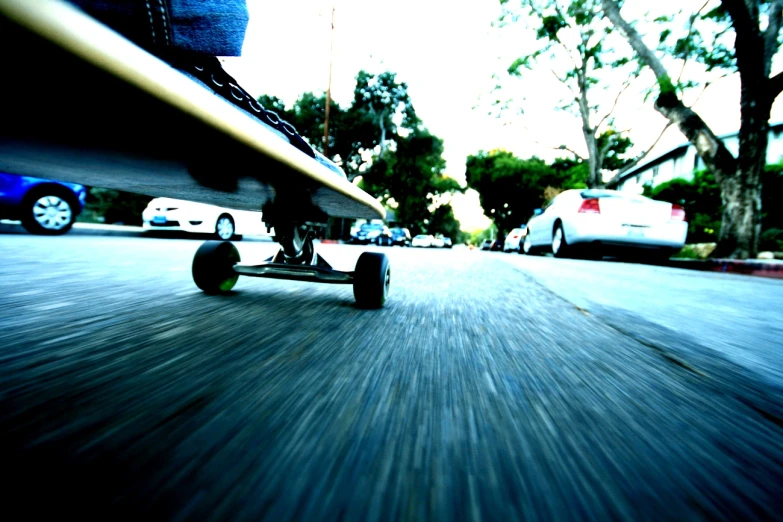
x,y
189,35
207,27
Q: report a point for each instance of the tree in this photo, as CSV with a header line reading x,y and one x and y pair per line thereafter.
x,y
410,178
510,188
754,27
574,33
380,138
443,222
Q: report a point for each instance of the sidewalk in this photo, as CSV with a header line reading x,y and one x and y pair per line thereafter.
x,y
772,268
79,229
97,229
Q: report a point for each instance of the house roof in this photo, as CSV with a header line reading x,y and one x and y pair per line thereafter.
x,y
677,151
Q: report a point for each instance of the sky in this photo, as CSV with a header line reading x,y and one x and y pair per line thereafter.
x,y
447,52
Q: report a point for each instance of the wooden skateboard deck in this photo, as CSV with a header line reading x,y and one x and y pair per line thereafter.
x,y
80,103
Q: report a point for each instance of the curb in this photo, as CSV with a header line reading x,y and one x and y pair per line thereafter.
x,y
79,229
758,268
97,229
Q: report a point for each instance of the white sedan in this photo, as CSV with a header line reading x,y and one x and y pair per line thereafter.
x,y
599,221
513,239
423,241
187,216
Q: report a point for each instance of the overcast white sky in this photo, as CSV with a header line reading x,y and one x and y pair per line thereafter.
x,y
447,52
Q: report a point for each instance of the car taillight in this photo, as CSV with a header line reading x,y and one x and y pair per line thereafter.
x,y
678,213
590,206
514,236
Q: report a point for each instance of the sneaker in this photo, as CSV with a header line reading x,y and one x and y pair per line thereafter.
x,y
208,71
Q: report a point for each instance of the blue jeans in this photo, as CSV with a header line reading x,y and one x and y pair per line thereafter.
x,y
210,27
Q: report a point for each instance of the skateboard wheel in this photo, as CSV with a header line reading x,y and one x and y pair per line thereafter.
x,y
371,280
213,267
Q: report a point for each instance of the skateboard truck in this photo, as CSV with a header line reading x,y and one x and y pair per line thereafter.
x,y
217,267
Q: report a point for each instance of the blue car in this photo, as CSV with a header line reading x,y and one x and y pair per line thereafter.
x,y
43,206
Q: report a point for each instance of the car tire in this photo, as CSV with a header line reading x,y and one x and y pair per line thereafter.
x,y
527,247
49,210
225,228
560,246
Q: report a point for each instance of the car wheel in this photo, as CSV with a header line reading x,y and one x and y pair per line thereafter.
x,y
49,211
560,247
528,248
224,227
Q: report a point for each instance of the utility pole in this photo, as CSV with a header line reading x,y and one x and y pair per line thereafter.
x,y
329,91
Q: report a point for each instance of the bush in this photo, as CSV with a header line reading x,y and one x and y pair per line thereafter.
x,y
113,206
771,240
702,202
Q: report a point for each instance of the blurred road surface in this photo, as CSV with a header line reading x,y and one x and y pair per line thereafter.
x,y
482,391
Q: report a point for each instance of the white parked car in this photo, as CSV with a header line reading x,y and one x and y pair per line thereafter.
x,y
187,216
423,241
599,221
513,240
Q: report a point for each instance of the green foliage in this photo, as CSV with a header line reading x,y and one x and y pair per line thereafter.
x,y
704,37
772,240
572,43
412,176
510,188
380,138
616,146
703,205
702,202
478,237
772,188
443,222
114,207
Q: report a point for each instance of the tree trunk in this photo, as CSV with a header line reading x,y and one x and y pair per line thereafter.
x,y
741,222
594,177
739,178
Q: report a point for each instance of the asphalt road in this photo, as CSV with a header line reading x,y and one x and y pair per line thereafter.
x,y
480,392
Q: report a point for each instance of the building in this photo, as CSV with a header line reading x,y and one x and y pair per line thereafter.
x,y
681,161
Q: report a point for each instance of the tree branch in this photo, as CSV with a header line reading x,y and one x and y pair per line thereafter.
x,y
612,11
691,24
563,147
775,86
748,41
634,162
626,85
771,34
711,149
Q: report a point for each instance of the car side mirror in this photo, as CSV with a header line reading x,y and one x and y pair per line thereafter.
x,y
538,212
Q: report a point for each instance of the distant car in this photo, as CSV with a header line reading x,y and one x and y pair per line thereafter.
x,y
497,245
422,241
487,244
447,242
400,237
166,214
372,233
437,242
513,240
604,221
43,206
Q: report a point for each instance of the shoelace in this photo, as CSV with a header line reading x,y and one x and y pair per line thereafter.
x,y
209,71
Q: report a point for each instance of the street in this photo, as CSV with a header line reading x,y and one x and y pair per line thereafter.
x,y
491,387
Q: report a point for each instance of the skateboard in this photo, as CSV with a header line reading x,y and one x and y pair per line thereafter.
x,y
82,104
